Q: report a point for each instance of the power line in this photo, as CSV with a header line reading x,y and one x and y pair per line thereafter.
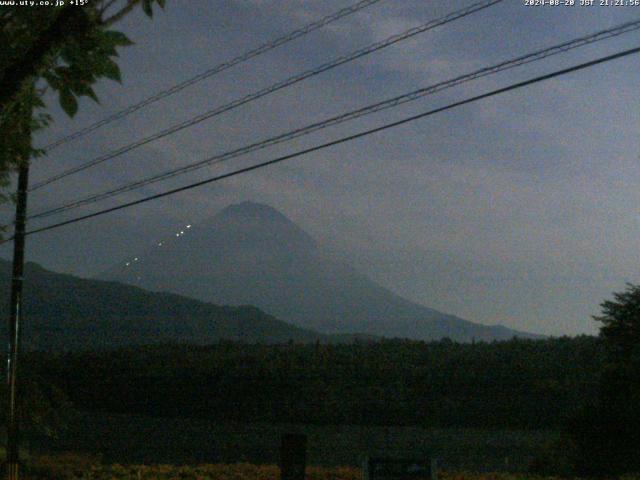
x,y
376,107
214,71
274,88
341,140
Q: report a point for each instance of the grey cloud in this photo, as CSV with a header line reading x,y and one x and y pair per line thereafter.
x,y
519,210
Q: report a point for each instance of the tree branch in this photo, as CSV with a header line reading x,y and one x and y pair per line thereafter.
x,y
72,21
123,11
106,6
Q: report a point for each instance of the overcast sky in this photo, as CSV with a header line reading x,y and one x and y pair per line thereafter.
x,y
520,210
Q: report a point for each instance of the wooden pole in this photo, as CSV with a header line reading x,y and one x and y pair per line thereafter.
x,y
17,280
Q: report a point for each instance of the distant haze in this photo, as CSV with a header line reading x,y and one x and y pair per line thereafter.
x,y
521,210
251,254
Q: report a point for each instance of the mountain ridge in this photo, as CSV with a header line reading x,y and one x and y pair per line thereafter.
x,y
64,312
250,253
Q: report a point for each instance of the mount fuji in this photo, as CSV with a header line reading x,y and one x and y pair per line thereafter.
x,y
251,254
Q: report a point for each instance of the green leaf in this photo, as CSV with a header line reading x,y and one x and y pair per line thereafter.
x,y
52,80
84,89
147,8
92,95
37,102
113,37
68,102
161,3
111,70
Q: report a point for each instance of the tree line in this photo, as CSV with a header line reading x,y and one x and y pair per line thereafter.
x,y
517,384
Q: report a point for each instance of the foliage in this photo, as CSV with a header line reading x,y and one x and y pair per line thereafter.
x,y
45,409
516,384
620,321
607,430
556,456
66,49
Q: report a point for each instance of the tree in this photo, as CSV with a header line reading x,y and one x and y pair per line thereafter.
x,y
47,411
620,321
607,434
66,49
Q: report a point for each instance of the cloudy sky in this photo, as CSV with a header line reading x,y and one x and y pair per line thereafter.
x,y
522,209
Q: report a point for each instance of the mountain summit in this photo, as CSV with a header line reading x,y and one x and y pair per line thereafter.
x,y
251,210
255,222
251,254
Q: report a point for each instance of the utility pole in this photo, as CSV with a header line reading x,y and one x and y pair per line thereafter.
x,y
15,316
13,420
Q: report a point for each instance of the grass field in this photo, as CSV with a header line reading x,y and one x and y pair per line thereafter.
x,y
67,467
70,466
74,467
144,440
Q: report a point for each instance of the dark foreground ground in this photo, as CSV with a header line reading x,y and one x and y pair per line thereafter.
x,y
135,439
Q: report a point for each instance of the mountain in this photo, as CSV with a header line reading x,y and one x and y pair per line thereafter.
x,y
63,312
250,253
